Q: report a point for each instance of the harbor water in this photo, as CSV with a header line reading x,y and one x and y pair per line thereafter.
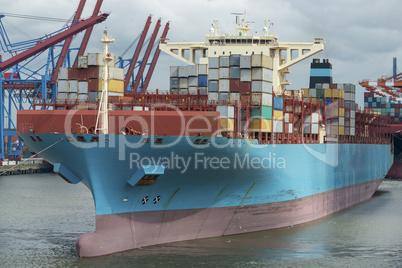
x,y
41,216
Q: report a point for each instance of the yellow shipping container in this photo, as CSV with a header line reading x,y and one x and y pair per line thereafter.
x,y
266,125
113,86
305,92
328,93
342,112
335,93
227,124
342,94
278,115
341,130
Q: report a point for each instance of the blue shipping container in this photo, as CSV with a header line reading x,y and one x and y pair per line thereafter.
x,y
370,104
278,104
328,101
202,80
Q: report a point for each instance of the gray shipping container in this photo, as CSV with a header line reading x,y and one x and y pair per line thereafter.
x,y
258,73
234,72
312,93
224,61
83,87
192,90
183,82
183,91
62,86
203,69
93,95
193,81
235,60
63,73
224,73
72,96
213,96
223,97
82,62
192,70
261,86
82,97
174,83
245,62
213,74
245,75
183,71
260,60
213,85
213,62
203,90
223,85
73,86
62,95
174,71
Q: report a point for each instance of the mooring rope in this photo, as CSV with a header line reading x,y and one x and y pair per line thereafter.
x,y
29,158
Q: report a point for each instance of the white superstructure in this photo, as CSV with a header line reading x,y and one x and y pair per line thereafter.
x,y
283,54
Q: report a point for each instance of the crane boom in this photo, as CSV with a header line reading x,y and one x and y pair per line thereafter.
x,y
43,45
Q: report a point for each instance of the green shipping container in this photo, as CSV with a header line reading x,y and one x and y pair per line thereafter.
x,y
266,112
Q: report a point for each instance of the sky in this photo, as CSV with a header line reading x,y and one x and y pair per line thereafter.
x,y
361,37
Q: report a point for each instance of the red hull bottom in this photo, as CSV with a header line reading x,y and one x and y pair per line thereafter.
x,y
125,231
395,171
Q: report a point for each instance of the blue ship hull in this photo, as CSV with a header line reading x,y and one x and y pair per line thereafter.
x,y
201,190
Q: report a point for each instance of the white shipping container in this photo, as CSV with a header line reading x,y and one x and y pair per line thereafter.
x,y
234,97
352,114
226,111
277,126
224,73
264,99
312,93
83,87
313,130
192,70
202,69
224,61
72,96
245,75
352,123
341,121
203,90
192,90
193,81
82,97
325,86
183,71
261,74
213,74
213,96
223,85
63,73
352,131
261,60
183,82
183,91
290,128
62,86
73,86
245,62
96,59
62,95
114,73
174,71
82,62
261,86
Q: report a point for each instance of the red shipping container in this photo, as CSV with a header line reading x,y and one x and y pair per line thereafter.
x,y
383,105
93,84
341,103
78,74
245,87
234,85
333,86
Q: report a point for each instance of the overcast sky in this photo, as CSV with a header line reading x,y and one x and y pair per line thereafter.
x,y
361,37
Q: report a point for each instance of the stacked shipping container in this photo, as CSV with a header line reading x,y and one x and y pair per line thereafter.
x,y
86,81
383,106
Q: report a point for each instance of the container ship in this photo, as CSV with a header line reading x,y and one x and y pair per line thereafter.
x,y
226,150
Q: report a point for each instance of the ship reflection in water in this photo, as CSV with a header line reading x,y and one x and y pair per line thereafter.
x,y
41,217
